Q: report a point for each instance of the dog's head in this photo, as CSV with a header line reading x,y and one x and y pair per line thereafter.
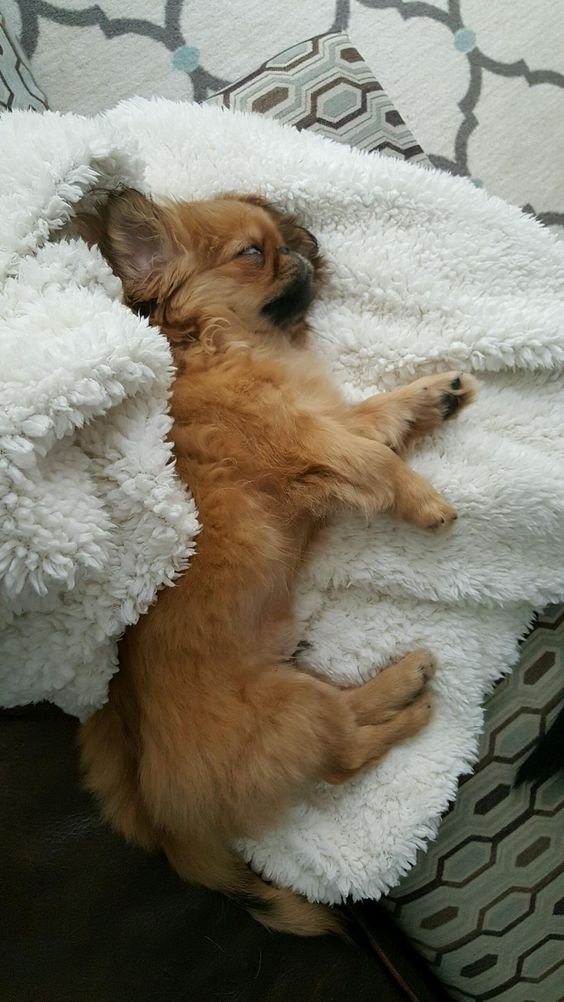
x,y
234,253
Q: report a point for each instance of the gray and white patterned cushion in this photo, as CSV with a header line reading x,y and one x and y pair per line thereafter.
x,y
324,84
18,88
481,84
485,904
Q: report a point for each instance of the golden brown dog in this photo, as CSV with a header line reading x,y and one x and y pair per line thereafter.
x,y
213,725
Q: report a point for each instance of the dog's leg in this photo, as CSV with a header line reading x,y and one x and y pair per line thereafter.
x,y
307,728
354,472
393,706
400,417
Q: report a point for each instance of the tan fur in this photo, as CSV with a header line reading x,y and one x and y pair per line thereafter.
x,y
212,726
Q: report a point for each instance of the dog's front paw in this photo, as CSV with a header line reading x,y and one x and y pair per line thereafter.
x,y
441,397
459,391
436,515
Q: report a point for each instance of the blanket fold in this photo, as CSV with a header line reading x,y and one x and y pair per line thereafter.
x,y
93,520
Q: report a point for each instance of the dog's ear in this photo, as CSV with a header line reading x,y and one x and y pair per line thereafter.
x,y
137,242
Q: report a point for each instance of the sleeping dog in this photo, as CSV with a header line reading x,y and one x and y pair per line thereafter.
x,y
213,724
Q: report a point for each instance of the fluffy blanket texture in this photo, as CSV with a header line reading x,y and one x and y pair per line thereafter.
x,y
425,273
92,517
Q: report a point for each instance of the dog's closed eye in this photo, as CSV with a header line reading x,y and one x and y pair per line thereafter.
x,y
249,251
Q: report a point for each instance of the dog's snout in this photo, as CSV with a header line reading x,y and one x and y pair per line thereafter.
x,y
304,265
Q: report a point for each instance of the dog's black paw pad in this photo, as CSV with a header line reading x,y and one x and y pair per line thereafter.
x,y
303,646
449,403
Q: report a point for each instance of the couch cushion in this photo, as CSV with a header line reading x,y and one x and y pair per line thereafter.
x,y
485,904
323,84
18,89
86,917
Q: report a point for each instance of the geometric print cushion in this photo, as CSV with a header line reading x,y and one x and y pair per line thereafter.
x,y
485,904
324,85
18,88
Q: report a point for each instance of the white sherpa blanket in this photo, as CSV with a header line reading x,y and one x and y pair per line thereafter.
x,y
92,517
425,273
